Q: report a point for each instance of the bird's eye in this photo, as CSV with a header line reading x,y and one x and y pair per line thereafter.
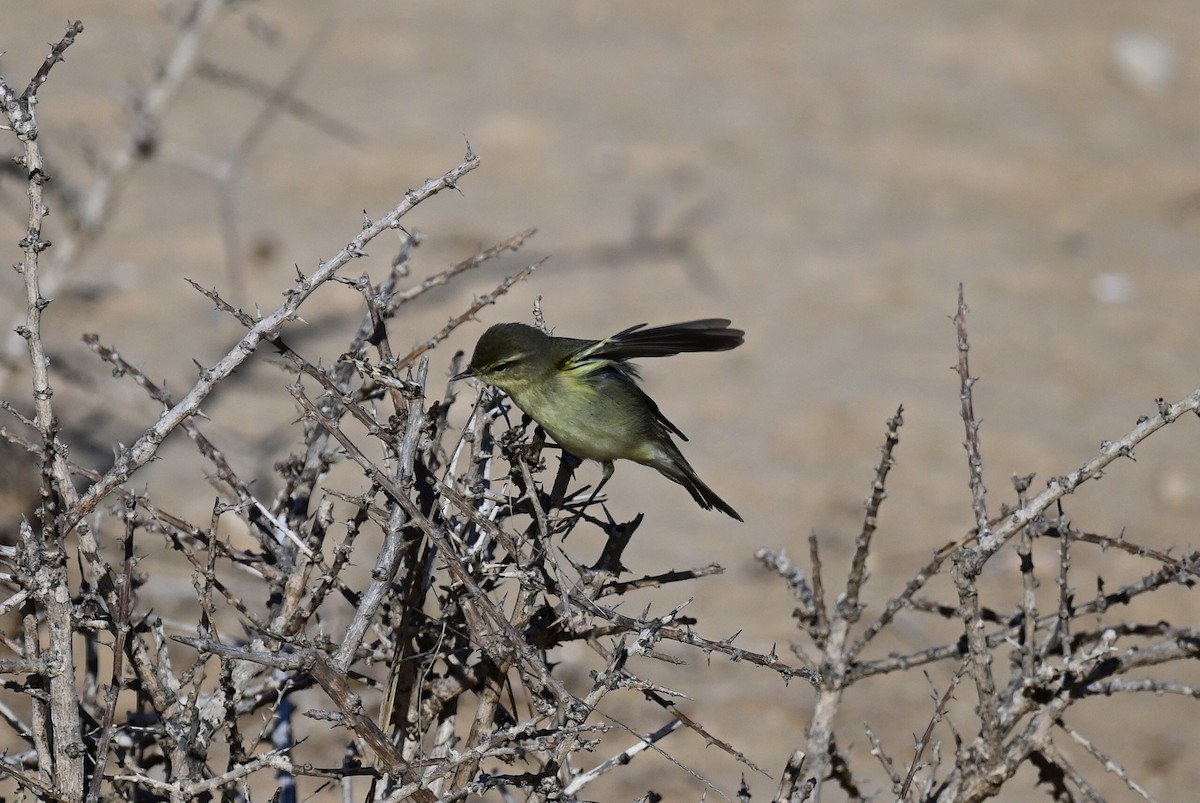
x,y
501,367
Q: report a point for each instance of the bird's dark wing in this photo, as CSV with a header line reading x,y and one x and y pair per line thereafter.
x,y
658,414
710,334
612,354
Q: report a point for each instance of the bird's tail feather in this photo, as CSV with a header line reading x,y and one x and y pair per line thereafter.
x,y
708,500
678,470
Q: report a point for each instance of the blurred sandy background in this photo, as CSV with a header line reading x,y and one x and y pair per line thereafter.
x,y
825,174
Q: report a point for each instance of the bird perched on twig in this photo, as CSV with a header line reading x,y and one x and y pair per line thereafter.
x,y
584,393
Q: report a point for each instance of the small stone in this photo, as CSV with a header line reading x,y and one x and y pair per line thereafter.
x,y
1144,62
1112,288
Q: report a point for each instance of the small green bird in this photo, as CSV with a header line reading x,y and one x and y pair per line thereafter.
x,y
585,395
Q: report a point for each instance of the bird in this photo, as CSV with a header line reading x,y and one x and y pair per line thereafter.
x,y
584,393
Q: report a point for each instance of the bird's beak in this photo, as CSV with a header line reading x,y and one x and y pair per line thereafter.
x,y
467,374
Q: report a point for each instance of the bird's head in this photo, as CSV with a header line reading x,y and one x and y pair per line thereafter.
x,y
510,356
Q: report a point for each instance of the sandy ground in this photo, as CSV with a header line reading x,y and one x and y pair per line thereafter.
x,y
823,174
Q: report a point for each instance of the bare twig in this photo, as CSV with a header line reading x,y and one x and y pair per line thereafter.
x,y
146,446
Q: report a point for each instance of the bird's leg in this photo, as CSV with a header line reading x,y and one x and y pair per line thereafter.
x,y
607,465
